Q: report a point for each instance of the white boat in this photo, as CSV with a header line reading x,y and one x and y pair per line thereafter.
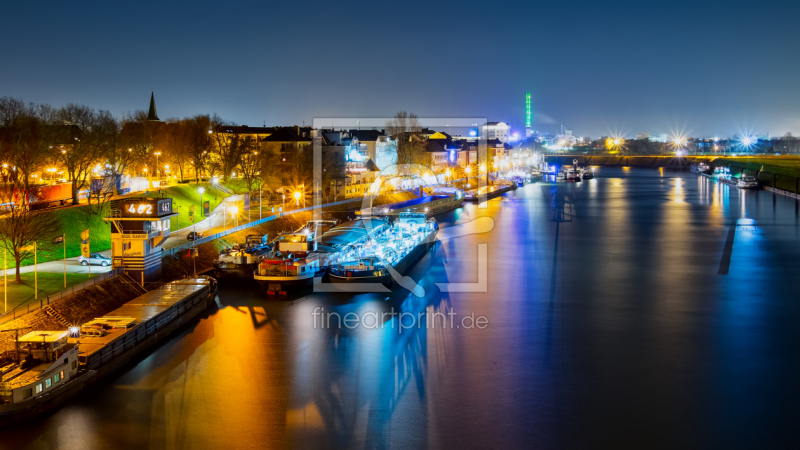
x,y
569,173
747,182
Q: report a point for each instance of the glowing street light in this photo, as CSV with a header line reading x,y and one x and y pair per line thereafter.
x,y
297,198
201,190
234,215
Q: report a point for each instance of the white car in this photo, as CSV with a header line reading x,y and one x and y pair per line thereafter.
x,y
95,259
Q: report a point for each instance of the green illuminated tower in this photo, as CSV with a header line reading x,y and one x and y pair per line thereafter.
x,y
528,115
528,110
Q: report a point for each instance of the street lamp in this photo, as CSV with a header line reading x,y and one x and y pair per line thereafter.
x,y
201,190
297,198
235,215
158,171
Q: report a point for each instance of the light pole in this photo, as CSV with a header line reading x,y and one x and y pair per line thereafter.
x,y
235,215
201,190
297,198
158,170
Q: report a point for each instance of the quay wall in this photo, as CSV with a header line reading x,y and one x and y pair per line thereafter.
x,y
85,305
672,162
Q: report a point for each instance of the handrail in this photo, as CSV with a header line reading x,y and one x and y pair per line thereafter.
x,y
30,307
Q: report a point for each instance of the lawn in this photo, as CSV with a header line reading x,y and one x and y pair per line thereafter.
x,y
49,283
72,221
76,219
781,165
185,195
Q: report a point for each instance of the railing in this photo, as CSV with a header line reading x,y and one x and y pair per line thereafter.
x,y
188,245
30,307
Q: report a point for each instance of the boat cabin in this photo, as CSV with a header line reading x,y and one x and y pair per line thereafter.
x,y
48,361
294,243
408,219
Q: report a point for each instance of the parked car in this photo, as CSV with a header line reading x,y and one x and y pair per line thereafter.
x,y
194,235
95,259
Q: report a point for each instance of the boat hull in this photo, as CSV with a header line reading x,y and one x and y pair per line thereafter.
x,y
17,414
277,284
471,197
402,267
228,271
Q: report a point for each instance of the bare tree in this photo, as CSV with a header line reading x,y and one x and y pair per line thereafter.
x,y
228,146
140,136
404,127
24,137
175,141
20,227
200,143
250,168
87,137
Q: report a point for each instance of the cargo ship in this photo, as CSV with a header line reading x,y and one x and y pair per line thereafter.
x,y
241,260
48,368
293,261
394,248
489,192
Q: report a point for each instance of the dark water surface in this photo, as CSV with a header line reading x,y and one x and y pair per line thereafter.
x,y
632,310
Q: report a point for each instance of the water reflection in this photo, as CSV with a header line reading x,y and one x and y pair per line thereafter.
x,y
610,326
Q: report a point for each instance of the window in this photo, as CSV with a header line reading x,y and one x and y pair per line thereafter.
x,y
56,378
47,383
27,393
62,374
74,365
39,388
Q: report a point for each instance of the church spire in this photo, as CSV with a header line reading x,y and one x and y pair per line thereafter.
x,y
151,115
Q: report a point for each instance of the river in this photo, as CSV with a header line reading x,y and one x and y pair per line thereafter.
x,y
644,308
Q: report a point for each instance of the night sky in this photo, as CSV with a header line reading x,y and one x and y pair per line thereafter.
x,y
699,67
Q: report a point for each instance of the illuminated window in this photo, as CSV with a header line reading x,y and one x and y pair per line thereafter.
x,y
62,374
39,388
56,378
48,382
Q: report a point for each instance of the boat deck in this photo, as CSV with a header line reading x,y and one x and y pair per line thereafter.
x,y
142,308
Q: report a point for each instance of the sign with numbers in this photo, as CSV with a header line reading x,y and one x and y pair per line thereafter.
x,y
145,207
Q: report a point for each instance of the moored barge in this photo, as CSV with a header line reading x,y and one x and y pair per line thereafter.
x,y
48,368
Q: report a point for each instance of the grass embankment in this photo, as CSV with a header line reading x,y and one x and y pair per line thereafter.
x,y
781,172
49,283
186,195
781,165
669,161
72,221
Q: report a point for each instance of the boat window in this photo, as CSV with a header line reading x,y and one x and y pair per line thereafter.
x,y
56,378
62,374
74,365
39,388
27,393
47,383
